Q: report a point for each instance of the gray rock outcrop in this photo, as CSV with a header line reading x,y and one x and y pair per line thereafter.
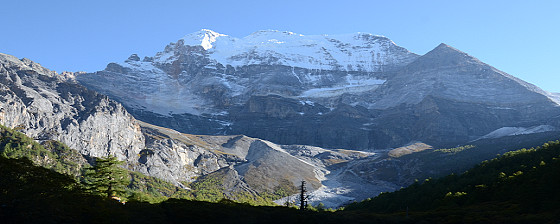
x,y
44,106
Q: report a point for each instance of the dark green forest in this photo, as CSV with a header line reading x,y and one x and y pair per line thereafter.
x,y
43,183
519,186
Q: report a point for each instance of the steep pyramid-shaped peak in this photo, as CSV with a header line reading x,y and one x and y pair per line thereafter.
x,y
444,55
204,38
444,49
444,46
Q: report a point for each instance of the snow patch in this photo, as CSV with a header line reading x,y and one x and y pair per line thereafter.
x,y
159,93
204,38
555,97
352,86
307,102
512,131
331,197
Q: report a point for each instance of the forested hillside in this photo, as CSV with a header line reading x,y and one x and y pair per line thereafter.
x,y
60,158
33,194
519,186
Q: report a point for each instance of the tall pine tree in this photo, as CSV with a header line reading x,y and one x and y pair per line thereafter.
x,y
303,197
106,178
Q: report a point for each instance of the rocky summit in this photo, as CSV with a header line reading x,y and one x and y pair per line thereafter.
x,y
46,106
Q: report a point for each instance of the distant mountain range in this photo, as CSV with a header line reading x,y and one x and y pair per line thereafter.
x,y
353,115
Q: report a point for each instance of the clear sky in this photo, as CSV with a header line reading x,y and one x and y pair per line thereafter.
x,y
518,37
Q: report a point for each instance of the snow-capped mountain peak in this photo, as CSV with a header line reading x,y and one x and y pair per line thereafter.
x,y
350,52
358,82
204,38
312,66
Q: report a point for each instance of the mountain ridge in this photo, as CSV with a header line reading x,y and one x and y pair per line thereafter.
x,y
212,98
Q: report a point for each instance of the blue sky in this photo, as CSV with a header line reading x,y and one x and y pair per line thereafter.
x,y
518,37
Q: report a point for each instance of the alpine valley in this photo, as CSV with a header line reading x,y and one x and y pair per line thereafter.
x,y
353,115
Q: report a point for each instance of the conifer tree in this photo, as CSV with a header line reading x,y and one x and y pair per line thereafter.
x,y
303,197
106,178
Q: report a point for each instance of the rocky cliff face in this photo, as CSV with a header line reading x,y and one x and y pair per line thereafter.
x,y
44,106
47,106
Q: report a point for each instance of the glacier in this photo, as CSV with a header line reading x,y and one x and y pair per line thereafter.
x,y
351,52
